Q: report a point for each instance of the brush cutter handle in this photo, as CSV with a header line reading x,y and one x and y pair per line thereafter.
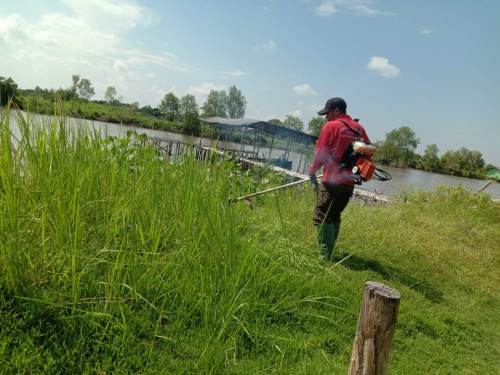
x,y
272,189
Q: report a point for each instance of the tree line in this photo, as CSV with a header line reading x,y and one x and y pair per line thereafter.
x,y
180,110
398,148
172,108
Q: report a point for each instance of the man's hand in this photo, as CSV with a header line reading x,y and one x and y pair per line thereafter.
x,y
314,181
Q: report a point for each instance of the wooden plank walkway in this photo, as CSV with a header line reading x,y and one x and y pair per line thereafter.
x,y
244,157
364,195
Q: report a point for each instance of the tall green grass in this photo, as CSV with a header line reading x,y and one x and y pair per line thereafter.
x,y
114,260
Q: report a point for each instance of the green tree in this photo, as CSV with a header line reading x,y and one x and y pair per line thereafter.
x,y
170,107
451,162
463,162
74,87
133,108
66,94
236,103
8,91
276,121
154,112
44,93
85,89
474,160
430,159
398,148
110,95
216,104
293,122
316,124
189,112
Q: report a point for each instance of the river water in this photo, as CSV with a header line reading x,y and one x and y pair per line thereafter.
x,y
402,179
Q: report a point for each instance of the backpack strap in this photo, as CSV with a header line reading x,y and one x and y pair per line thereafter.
x,y
357,132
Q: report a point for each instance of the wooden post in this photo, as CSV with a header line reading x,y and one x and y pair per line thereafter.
x,y
376,325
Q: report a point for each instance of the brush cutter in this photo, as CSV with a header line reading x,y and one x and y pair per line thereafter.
x,y
247,197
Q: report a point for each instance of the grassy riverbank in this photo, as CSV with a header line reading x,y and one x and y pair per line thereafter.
x,y
131,115
114,261
93,111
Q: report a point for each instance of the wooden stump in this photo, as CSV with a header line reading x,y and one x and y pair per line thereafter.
x,y
376,325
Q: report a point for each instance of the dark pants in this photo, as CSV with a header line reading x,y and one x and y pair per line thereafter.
x,y
331,200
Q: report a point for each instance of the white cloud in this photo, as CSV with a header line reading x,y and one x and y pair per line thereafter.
x,y
297,113
359,7
88,38
164,59
270,45
365,11
381,66
14,29
325,9
201,91
235,73
114,14
157,93
304,89
426,31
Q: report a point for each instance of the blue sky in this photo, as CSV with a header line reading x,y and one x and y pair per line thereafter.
x,y
429,64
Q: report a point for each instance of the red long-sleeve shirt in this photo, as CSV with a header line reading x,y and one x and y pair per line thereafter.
x,y
333,141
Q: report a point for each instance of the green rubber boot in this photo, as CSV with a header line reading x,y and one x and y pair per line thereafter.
x,y
326,240
337,229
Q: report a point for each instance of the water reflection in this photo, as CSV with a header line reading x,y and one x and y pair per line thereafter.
x,y
402,179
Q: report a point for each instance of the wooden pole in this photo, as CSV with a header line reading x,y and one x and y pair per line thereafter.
x,y
271,148
485,186
300,162
376,325
225,138
202,129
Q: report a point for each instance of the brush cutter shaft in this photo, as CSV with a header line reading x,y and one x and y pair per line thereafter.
x,y
274,189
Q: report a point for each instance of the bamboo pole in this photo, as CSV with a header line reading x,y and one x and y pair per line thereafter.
x,y
376,325
202,130
488,183
271,148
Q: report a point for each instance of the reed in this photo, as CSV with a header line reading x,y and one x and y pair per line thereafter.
x,y
114,259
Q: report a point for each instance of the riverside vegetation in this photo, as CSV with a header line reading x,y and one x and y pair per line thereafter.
x,y
114,260
183,115
149,118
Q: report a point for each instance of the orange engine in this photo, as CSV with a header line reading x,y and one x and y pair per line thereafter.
x,y
366,168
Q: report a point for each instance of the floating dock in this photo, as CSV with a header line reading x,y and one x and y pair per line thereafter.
x,y
247,159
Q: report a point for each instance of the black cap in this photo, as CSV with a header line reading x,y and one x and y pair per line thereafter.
x,y
332,104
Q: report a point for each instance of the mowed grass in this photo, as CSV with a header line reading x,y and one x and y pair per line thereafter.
x,y
115,261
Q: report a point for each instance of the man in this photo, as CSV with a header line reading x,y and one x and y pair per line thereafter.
x,y
337,188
